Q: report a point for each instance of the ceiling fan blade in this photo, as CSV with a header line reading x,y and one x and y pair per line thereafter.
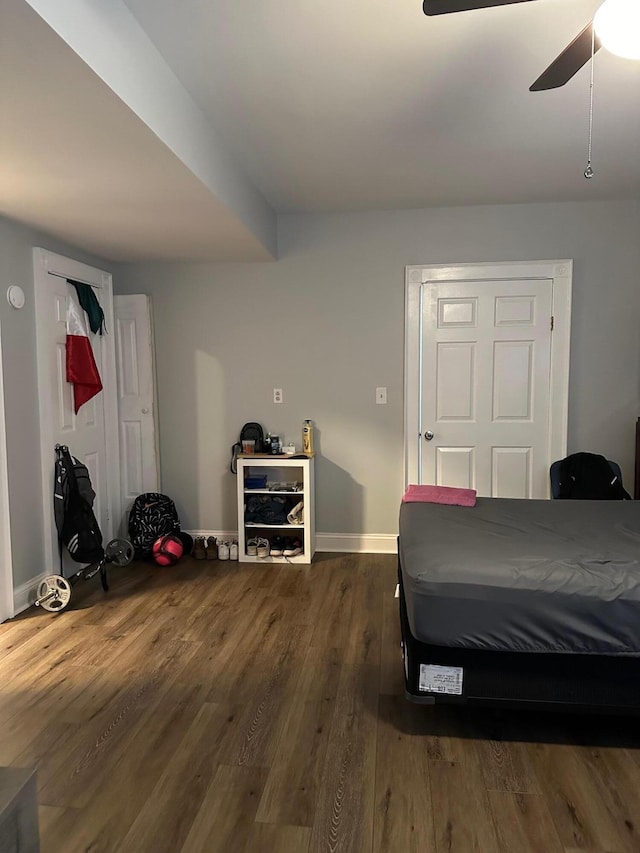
x,y
445,7
570,61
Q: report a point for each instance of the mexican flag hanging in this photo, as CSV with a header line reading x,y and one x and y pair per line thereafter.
x,y
82,370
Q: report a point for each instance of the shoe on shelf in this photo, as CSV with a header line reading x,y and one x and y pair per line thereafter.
x,y
199,551
263,548
252,547
233,551
296,515
276,545
223,550
212,548
293,547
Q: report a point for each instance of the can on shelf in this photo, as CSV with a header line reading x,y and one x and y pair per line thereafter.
x,y
307,437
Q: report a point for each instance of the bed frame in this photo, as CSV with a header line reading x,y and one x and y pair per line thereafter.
x,y
592,683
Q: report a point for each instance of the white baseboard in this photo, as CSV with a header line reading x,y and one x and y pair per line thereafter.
x,y
25,594
347,543
357,543
225,535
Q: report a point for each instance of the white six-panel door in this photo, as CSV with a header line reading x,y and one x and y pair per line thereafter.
x,y
136,399
486,375
486,359
91,435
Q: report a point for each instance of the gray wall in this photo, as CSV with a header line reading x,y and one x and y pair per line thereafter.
x,y
21,392
325,323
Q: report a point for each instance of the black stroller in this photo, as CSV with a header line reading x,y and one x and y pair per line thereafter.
x,y
78,532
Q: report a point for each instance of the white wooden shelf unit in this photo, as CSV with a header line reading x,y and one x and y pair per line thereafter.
x,y
278,469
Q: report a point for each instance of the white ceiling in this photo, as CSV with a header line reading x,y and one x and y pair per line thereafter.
x,y
344,106
370,104
77,163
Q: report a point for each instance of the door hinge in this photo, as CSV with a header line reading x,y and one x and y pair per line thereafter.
x,y
552,322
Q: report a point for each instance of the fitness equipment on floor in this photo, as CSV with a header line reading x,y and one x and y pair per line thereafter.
x,y
54,591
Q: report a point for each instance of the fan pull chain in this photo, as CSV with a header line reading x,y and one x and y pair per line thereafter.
x,y
588,172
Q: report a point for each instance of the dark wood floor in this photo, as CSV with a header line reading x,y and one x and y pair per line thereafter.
x,y
224,707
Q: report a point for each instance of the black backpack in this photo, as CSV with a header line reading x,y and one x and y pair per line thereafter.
x,y
588,476
152,515
249,432
73,496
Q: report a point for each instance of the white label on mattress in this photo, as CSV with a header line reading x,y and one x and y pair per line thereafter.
x,y
441,679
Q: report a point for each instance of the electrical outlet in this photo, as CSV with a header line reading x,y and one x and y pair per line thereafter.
x,y
381,396
277,395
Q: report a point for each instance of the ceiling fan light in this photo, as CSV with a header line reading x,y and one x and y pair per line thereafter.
x,y
617,25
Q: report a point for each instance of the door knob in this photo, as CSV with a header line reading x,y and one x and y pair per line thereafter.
x,y
145,411
428,435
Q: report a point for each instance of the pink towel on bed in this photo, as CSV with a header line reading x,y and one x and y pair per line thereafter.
x,y
440,495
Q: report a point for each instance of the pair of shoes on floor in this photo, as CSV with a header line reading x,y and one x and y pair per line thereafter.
x,y
212,548
285,546
199,551
228,550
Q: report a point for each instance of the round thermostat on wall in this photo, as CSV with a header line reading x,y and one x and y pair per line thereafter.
x,y
15,296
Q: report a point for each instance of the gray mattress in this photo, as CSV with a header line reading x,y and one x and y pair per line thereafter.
x,y
524,576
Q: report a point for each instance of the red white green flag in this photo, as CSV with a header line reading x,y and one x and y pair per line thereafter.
x,y
82,370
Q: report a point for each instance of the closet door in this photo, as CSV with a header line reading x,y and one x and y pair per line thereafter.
x,y
136,399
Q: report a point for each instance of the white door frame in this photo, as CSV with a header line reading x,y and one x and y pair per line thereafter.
x,y
45,262
560,273
7,610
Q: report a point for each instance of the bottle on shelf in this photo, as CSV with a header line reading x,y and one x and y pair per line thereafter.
x,y
307,437
267,443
